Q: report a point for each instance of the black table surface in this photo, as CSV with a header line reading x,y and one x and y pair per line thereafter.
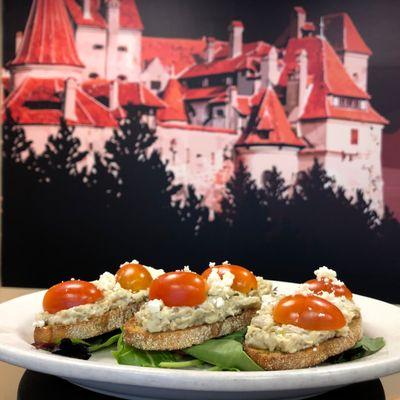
x,y
34,385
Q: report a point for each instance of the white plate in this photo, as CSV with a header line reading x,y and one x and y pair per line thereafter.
x,y
102,374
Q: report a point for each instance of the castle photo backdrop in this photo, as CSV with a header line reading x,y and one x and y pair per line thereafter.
x,y
179,132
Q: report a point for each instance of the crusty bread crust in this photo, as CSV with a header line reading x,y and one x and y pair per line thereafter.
x,y
95,326
272,361
138,337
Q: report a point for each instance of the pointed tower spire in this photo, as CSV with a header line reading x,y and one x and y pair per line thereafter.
x,y
130,17
48,40
174,98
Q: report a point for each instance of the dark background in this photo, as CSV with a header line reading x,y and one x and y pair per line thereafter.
x,y
377,22
74,230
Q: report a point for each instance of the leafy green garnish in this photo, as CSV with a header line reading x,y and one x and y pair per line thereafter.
x,y
103,345
78,348
128,355
222,354
363,348
225,353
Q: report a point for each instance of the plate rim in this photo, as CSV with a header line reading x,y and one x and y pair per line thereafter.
x,y
305,378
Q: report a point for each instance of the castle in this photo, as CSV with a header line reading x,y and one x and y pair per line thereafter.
x,y
212,103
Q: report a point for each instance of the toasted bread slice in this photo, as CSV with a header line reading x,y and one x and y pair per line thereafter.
x,y
272,361
138,337
95,326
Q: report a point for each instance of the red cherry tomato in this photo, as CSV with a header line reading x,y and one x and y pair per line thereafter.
x,y
133,277
319,285
69,294
179,289
244,281
308,312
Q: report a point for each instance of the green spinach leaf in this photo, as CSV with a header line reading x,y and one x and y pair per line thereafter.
x,y
363,348
128,355
107,343
225,353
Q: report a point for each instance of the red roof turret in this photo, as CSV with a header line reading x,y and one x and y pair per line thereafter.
x,y
329,78
129,15
48,37
129,93
174,99
268,124
341,32
38,101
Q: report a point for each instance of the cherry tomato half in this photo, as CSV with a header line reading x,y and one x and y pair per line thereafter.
x,y
308,312
319,285
133,277
179,288
69,294
244,281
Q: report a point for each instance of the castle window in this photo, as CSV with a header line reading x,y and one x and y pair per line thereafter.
x,y
355,77
354,136
212,158
93,75
347,102
122,48
98,46
42,105
155,85
90,146
263,134
172,148
122,77
220,113
187,156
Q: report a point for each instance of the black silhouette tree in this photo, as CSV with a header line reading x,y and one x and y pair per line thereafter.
x,y
145,211
243,220
275,188
62,211
192,230
20,182
275,197
193,214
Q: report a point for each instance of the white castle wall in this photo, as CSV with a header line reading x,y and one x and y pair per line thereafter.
x,y
127,54
196,157
259,159
21,72
128,62
357,67
92,139
87,38
155,71
354,166
200,112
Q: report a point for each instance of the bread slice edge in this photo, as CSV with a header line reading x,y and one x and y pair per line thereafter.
x,y
273,361
138,337
95,326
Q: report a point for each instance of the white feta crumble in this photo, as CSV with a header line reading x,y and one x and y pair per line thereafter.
x,y
326,274
219,302
155,305
220,286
